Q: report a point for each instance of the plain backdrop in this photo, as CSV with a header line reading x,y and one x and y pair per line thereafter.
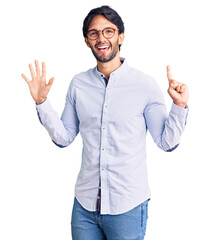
x,y
37,178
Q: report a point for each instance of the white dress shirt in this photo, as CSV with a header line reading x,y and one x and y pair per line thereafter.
x,y
113,121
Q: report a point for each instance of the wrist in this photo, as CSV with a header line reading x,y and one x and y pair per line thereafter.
x,y
40,101
181,105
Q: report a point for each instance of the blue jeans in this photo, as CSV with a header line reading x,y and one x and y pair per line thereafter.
x,y
86,225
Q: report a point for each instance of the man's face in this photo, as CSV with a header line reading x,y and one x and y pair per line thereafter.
x,y
100,22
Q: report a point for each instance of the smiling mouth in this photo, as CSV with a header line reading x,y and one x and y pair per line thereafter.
x,y
103,48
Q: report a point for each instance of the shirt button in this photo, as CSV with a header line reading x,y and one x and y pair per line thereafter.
x,y
102,148
102,169
98,197
105,106
103,128
99,187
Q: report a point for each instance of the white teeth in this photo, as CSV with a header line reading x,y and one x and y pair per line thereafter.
x,y
103,47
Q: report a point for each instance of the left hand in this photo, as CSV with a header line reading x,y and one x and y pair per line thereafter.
x,y
177,91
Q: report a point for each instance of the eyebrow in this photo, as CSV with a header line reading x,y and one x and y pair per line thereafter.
x,y
98,30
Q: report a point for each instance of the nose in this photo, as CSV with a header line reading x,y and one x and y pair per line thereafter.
x,y
100,36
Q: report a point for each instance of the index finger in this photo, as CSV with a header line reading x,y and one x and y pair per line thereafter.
x,y
169,73
32,71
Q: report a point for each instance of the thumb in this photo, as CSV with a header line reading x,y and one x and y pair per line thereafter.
x,y
51,81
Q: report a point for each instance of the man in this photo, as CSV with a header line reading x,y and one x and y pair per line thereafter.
x,y
112,105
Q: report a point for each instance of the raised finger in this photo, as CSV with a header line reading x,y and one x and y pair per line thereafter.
x,y
32,71
37,69
43,70
25,78
169,76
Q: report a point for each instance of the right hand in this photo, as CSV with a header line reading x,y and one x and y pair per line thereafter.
x,y
37,86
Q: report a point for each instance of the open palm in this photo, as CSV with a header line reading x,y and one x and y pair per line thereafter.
x,y
38,87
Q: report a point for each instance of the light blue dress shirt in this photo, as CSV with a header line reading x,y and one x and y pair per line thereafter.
x,y
113,121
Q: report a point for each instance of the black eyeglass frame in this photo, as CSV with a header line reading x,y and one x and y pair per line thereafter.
x,y
98,31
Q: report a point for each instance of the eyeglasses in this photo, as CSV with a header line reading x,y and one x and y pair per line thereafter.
x,y
107,33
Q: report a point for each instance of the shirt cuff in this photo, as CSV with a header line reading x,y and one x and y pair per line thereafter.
x,y
43,106
182,112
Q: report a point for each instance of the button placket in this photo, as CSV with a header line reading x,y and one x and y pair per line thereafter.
x,y
104,146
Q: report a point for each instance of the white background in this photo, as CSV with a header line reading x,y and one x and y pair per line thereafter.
x,y
37,178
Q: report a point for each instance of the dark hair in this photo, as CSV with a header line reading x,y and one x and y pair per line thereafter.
x,y
107,12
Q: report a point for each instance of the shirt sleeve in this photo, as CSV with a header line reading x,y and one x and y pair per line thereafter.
x,y
166,130
61,130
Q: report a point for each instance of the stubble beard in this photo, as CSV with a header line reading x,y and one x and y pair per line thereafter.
x,y
108,58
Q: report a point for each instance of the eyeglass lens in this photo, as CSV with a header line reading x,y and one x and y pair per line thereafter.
x,y
107,33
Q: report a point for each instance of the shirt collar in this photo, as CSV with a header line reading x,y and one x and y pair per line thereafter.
x,y
117,71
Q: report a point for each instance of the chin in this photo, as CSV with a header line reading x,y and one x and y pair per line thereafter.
x,y
105,59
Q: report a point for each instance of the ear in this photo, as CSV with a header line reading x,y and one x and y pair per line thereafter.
x,y
121,38
87,42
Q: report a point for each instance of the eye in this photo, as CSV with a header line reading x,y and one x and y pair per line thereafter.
x,y
93,33
109,31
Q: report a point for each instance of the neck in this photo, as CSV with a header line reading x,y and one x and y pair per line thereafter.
x,y
108,67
